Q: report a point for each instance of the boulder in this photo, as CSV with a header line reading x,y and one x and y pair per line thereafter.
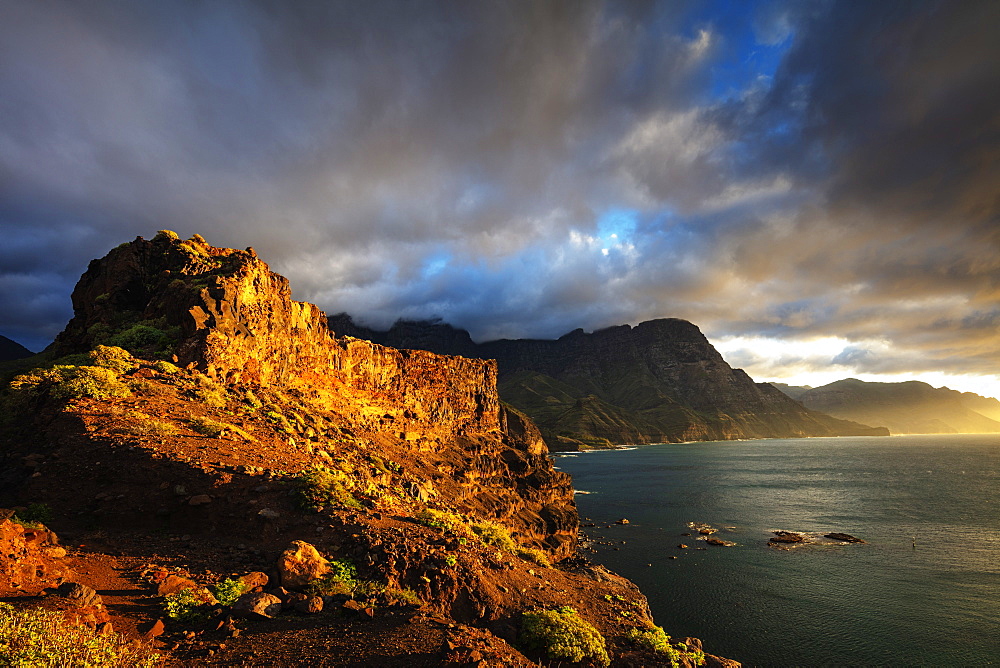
x,y
175,583
300,564
254,580
310,605
256,604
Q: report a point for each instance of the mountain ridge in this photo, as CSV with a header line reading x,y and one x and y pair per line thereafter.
x,y
659,381
913,407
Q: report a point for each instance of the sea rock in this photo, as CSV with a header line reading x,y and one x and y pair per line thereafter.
x,y
786,537
300,564
721,543
845,537
256,604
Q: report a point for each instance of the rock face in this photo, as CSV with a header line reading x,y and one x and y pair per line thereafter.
x,y
224,313
300,564
910,407
661,381
30,558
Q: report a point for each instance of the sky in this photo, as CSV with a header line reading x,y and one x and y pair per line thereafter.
x,y
814,184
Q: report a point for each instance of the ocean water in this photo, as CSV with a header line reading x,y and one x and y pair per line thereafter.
x,y
923,590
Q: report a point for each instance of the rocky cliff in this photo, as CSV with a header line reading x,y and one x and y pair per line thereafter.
x,y
192,408
661,381
224,313
910,407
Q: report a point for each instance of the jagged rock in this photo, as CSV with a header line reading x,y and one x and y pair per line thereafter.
x,y
300,564
359,608
30,558
172,584
257,603
152,629
80,594
310,605
718,542
254,580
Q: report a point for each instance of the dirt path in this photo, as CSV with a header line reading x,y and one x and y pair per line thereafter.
x,y
131,604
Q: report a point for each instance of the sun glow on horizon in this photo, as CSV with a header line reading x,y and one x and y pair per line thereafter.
x,y
823,360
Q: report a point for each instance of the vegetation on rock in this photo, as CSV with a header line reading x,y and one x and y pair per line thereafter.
x,y
44,639
655,638
562,635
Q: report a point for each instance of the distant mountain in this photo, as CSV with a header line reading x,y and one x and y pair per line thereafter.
x,y
661,381
794,391
12,350
910,407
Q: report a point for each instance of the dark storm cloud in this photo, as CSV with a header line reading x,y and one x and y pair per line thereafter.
x,y
776,169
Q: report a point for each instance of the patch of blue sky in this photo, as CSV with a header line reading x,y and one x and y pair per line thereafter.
x,y
751,49
435,263
617,225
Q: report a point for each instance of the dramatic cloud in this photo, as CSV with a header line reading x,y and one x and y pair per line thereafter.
x,y
775,172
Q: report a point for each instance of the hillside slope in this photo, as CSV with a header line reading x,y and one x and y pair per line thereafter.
x,y
12,350
661,381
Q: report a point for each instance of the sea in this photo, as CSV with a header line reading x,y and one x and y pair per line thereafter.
x,y
922,590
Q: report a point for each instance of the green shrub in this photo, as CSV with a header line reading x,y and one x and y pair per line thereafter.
x,y
654,638
213,428
140,337
561,634
251,400
534,556
440,519
34,516
43,639
95,382
118,360
319,487
342,579
185,607
494,534
405,596
164,366
228,591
